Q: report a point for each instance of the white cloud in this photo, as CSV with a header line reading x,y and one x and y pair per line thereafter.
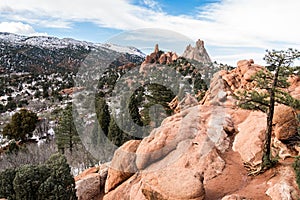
x,y
228,23
18,28
154,5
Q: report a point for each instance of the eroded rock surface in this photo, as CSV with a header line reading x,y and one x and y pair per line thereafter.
x,y
199,152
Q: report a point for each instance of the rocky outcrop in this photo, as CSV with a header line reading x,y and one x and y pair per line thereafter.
x,y
225,83
183,151
197,53
86,172
199,152
159,57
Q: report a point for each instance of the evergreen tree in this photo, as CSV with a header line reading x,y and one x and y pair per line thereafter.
x,y
103,114
115,134
133,106
268,90
60,184
21,125
65,132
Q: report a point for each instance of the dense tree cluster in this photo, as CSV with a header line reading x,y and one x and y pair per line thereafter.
x,y
51,180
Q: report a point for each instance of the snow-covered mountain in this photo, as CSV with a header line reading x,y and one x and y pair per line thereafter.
x,y
122,49
50,54
56,43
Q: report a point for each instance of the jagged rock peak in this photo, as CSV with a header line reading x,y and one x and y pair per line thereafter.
x,y
197,53
200,44
156,49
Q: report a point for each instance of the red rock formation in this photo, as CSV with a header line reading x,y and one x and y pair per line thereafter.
x,y
225,83
70,91
198,153
197,53
158,57
127,66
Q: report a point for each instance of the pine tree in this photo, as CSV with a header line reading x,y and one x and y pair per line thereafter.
x,y
103,114
268,90
115,134
66,133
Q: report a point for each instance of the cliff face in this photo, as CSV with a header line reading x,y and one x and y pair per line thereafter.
x,y
199,152
197,53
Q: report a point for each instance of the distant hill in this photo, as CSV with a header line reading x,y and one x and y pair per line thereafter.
x,y
43,54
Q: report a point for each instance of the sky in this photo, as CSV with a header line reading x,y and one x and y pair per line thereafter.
x,y
232,29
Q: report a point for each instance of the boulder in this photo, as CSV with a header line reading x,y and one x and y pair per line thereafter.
x,y
174,184
294,88
90,183
217,94
127,190
122,165
88,187
250,138
187,102
204,122
285,121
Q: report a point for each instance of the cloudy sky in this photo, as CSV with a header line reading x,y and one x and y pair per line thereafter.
x,y
231,29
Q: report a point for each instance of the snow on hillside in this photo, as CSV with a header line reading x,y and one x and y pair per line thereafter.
x,y
56,43
122,49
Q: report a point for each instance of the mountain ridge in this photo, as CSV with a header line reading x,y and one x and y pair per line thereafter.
x,y
50,54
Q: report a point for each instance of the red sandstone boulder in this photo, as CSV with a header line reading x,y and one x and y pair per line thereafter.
x,y
285,121
249,140
122,165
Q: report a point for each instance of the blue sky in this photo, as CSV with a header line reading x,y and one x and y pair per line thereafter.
x,y
232,29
